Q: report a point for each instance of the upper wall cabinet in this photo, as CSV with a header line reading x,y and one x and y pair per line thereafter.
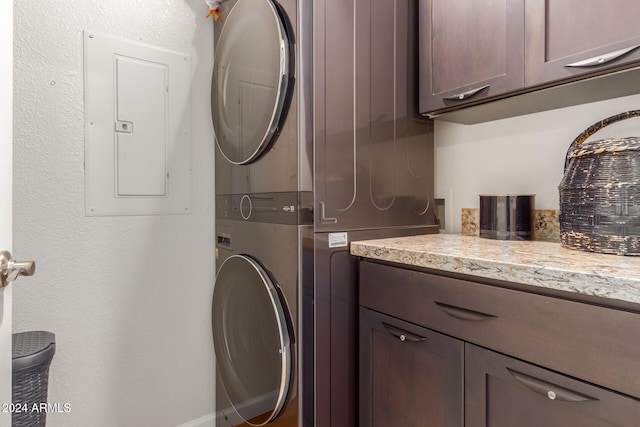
x,y
469,50
570,38
472,52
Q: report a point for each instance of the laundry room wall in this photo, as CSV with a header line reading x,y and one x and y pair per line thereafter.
x,y
128,297
518,155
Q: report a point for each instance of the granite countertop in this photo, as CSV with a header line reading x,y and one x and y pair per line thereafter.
x,y
537,263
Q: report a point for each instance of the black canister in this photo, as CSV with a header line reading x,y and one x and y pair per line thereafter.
x,y
507,216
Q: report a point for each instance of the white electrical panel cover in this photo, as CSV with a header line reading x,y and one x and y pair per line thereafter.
x,y
137,128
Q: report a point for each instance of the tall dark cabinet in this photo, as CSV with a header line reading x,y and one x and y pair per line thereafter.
x,y
373,153
373,171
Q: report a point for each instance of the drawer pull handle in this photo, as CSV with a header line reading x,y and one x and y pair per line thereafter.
x,y
602,59
403,335
551,391
464,95
463,313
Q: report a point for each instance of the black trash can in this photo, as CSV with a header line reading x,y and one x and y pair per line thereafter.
x,y
32,353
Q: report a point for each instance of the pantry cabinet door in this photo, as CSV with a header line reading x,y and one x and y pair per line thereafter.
x,y
373,159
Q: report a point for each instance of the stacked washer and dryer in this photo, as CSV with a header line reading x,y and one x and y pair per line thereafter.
x,y
263,212
312,105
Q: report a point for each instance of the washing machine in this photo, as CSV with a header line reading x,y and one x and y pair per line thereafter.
x,y
264,258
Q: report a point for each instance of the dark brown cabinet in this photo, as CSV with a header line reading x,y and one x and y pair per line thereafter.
x,y
472,52
373,153
530,359
469,50
501,391
410,376
566,39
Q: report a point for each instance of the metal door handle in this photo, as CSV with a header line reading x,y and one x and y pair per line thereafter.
x,y
10,269
464,95
403,335
463,313
552,391
602,59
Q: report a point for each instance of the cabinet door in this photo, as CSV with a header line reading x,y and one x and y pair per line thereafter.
x,y
409,376
505,392
373,161
469,50
566,39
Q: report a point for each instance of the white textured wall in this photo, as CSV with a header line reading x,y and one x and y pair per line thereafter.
x,y
521,155
127,297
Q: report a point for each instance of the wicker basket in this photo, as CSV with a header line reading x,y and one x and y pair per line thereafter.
x,y
32,353
600,193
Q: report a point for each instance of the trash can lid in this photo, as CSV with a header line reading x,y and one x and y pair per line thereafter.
x,y
32,348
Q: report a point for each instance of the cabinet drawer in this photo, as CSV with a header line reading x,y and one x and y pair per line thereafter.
x,y
594,343
502,391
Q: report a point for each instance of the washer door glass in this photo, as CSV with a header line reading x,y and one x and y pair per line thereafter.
x,y
249,91
251,340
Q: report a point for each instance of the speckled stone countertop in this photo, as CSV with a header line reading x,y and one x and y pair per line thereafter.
x,y
536,263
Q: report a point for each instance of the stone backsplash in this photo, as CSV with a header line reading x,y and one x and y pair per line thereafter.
x,y
546,223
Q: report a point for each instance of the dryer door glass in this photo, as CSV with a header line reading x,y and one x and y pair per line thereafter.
x,y
251,340
251,73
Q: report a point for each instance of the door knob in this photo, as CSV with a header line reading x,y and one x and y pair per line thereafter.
x,y
10,269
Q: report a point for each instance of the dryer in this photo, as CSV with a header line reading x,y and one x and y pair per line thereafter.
x,y
260,106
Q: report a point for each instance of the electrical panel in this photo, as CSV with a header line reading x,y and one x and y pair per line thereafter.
x,y
137,128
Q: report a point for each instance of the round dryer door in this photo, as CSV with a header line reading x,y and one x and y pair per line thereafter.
x,y
251,84
251,340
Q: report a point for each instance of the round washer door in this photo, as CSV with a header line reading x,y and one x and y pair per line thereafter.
x,y
251,340
251,80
